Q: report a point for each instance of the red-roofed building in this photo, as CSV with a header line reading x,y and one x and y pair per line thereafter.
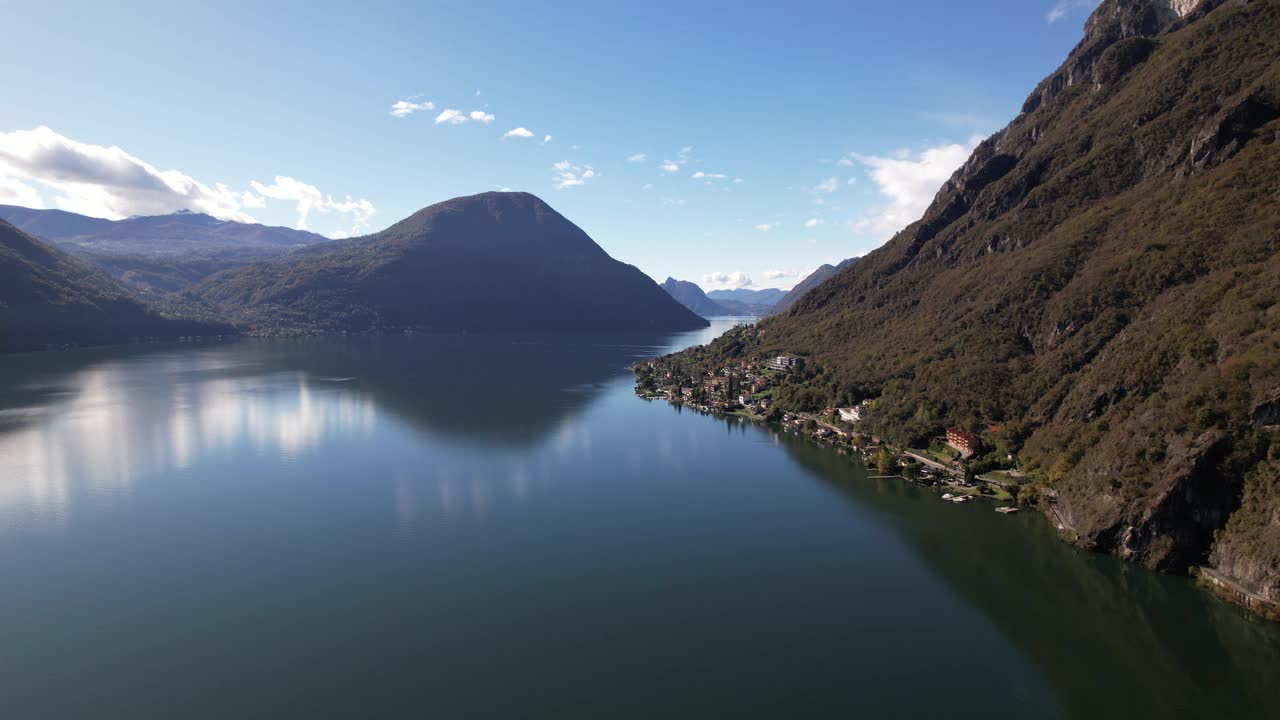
x,y
963,440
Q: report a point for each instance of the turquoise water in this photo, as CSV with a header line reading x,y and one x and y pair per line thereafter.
x,y
496,527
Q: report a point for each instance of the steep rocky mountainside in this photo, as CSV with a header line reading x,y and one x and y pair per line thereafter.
x,y
691,296
159,254
495,261
1101,278
48,297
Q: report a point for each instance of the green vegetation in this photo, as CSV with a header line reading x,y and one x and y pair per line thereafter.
x,y
49,298
1100,280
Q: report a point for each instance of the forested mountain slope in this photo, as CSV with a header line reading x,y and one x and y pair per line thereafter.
x,y
48,297
1101,280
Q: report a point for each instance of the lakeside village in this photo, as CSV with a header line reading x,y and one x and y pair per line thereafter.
x,y
747,388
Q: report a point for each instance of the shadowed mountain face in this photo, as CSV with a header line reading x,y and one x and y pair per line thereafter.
x,y
1100,278
160,254
691,296
813,280
48,297
490,262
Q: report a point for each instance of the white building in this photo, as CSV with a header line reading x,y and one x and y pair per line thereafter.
x,y
854,414
785,363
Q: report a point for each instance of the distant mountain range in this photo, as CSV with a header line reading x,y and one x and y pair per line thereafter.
x,y
48,297
691,296
160,254
744,301
495,261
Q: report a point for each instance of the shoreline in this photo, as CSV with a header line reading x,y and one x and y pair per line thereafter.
x,y
1206,578
939,486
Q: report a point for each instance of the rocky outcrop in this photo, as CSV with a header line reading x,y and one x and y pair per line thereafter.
x,y
1101,276
1267,412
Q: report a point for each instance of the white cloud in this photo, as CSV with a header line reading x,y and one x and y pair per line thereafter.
x,y
668,166
482,116
518,133
407,107
700,175
783,274
786,278
15,192
827,185
110,183
636,157
909,184
107,181
451,116
568,175
812,223
725,281
546,139
1064,7
646,186
308,199
766,227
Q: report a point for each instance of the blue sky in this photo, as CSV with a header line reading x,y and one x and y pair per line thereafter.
x,y
723,143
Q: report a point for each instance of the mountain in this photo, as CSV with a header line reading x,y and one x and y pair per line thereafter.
x,y
811,281
495,261
1100,282
159,254
765,297
175,234
691,296
48,297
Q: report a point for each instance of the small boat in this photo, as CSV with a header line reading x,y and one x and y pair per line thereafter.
x,y
1007,510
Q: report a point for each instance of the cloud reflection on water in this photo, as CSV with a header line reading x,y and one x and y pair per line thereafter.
x,y
103,435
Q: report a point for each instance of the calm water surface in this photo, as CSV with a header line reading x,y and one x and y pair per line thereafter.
x,y
463,527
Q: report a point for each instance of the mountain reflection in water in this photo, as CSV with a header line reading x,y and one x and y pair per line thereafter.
x,y
483,526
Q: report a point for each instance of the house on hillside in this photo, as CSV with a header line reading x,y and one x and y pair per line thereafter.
x,y
854,414
786,363
963,440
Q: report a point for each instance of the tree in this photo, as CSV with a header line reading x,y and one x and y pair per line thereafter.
x,y
885,461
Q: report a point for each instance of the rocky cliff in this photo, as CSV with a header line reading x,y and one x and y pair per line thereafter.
x,y
1101,279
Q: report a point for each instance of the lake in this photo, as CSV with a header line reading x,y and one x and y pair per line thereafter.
x,y
474,527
